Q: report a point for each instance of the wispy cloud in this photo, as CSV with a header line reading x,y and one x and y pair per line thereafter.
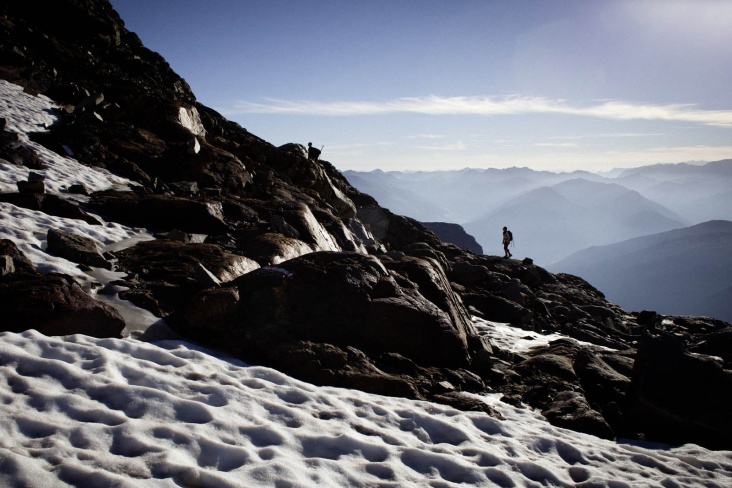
x,y
607,136
492,106
556,144
678,153
458,146
359,145
427,136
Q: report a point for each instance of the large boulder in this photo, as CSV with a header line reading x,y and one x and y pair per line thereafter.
x,y
271,248
165,274
76,248
432,283
678,397
161,211
16,260
343,319
570,410
53,304
345,299
174,260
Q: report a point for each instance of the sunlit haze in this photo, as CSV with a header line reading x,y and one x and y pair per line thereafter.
x,y
425,85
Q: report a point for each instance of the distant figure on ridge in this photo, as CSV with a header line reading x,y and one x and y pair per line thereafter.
x,y
313,152
507,238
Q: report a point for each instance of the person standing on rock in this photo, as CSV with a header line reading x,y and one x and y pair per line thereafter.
x,y
313,152
507,238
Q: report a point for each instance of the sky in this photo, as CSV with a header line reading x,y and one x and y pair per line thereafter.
x,y
554,85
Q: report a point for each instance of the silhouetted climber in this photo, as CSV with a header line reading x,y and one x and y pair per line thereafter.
x,y
313,152
507,238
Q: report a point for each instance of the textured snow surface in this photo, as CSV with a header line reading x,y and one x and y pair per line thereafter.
x,y
78,411
515,339
25,113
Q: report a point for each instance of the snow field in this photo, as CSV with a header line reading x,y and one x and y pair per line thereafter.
x,y
128,413
25,113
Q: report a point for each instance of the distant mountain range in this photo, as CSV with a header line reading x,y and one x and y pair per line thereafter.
x,y
655,237
681,272
550,223
553,215
696,193
454,196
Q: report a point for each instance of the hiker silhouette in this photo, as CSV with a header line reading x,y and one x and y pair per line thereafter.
x,y
507,238
313,152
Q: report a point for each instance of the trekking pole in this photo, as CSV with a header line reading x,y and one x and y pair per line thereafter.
x,y
321,152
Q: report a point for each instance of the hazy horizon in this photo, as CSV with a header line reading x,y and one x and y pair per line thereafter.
x,y
552,85
597,172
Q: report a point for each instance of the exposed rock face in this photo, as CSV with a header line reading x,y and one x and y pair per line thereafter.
x,y
53,304
679,397
78,249
358,311
164,274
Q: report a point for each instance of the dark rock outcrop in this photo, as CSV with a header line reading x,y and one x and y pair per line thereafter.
x,y
374,327
161,211
76,248
679,397
569,409
53,304
165,274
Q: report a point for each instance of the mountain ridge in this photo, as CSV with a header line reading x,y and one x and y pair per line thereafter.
x,y
687,267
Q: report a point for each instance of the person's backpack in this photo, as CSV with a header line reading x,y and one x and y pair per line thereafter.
x,y
510,237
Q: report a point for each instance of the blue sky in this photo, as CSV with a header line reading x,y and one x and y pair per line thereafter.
x,y
425,85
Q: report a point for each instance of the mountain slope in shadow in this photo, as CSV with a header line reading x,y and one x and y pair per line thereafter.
x,y
683,272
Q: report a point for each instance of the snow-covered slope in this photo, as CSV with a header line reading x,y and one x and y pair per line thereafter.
x,y
78,411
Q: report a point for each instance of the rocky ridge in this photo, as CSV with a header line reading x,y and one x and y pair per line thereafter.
x,y
278,260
